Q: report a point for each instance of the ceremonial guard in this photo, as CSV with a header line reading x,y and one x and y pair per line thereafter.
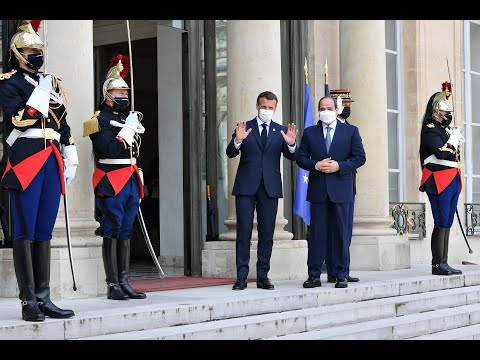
x,y
118,178
441,177
42,161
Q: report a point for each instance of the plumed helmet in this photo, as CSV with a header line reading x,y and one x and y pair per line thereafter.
x,y
26,37
440,102
116,75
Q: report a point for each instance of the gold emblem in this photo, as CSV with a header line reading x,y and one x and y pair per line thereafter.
x,y
431,125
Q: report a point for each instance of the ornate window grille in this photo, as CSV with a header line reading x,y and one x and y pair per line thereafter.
x,y
408,218
472,215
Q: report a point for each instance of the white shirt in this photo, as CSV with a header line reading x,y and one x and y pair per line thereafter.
x,y
260,129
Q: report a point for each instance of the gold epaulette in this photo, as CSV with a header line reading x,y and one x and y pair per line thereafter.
x,y
5,76
431,125
91,126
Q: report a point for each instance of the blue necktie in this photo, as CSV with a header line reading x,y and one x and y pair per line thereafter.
x,y
328,139
263,136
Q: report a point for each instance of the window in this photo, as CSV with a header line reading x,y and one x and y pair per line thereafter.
x,y
394,111
472,110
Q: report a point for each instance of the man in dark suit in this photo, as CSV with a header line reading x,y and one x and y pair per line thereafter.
x,y
331,151
258,184
343,98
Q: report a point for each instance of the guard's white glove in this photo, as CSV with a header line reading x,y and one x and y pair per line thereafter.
x,y
132,120
127,134
71,162
455,137
40,97
132,123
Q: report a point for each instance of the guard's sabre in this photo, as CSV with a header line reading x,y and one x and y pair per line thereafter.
x,y
67,225
456,209
65,201
139,213
149,244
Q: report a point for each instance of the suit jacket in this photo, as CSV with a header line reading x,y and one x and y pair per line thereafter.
x,y
256,162
346,148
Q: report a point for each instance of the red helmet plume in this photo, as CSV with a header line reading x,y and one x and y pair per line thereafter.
x,y
447,86
125,62
35,24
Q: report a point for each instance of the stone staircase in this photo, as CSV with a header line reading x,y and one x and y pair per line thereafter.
x,y
405,307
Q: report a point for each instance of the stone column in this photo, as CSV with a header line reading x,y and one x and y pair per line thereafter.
x,y
254,65
375,246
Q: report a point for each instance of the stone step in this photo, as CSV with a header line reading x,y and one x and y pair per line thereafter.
x,y
463,333
296,321
201,305
398,328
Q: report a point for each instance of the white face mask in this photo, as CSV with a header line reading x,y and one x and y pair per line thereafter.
x,y
327,116
265,115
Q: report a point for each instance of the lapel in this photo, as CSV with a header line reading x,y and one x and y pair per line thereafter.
x,y
274,128
338,135
319,135
255,131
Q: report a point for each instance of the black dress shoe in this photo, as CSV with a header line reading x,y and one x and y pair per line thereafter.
x,y
265,284
312,282
333,279
341,283
240,284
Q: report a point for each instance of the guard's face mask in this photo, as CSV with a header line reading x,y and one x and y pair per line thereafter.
x,y
120,103
35,61
447,119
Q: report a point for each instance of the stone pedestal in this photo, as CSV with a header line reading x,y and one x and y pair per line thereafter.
x,y
288,261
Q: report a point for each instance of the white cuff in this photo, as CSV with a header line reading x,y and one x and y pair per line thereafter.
x,y
292,148
237,146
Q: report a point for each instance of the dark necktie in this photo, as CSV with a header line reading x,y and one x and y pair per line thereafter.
x,y
263,135
328,139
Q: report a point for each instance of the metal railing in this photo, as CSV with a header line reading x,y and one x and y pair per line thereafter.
x,y
408,218
472,215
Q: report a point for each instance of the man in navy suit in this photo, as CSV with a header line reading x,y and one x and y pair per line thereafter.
x,y
258,184
331,151
343,98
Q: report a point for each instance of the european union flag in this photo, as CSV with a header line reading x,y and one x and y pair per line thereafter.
x,y
301,206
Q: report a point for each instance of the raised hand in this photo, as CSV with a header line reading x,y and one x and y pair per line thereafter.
x,y
291,134
240,132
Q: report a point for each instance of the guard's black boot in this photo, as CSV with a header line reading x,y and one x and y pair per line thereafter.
x,y
123,259
445,253
438,268
41,273
109,253
22,261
